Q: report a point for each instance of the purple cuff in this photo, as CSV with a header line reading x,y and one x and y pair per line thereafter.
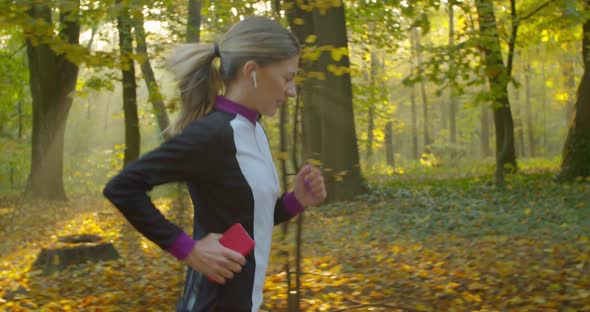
x,y
182,246
292,205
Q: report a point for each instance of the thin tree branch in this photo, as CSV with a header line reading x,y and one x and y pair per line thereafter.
x,y
512,41
546,4
92,35
17,50
515,24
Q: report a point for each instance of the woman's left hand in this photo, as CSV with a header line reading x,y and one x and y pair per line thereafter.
x,y
310,189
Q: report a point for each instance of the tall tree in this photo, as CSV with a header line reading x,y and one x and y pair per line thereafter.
x,y
485,130
132,136
158,107
530,124
452,99
52,78
576,151
339,152
413,105
418,49
498,76
328,118
389,133
519,139
569,78
372,101
302,24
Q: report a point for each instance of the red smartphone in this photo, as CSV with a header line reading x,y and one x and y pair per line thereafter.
x,y
236,238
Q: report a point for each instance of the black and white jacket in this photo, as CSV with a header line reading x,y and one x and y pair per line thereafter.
x,y
225,159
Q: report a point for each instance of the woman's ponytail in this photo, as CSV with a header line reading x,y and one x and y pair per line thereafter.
x,y
199,81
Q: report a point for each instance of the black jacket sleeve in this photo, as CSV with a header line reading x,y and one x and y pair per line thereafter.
x,y
184,157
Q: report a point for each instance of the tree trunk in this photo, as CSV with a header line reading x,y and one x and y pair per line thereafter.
x,y
295,161
92,36
372,101
520,139
498,77
311,123
576,151
284,110
339,153
415,153
389,154
485,131
544,103
20,115
156,97
52,80
452,105
529,111
132,137
418,49
370,135
389,134
569,78
414,109
311,135
518,125
453,117
193,25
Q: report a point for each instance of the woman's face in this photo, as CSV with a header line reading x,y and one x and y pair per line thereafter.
x,y
274,84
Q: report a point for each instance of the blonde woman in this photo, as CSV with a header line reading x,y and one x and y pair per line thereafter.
x,y
221,151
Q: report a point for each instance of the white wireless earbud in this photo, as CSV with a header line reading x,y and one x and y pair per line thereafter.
x,y
254,78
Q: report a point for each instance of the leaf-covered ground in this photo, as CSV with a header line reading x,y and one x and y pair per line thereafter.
x,y
412,244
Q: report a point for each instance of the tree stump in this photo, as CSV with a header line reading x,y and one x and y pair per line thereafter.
x,y
73,250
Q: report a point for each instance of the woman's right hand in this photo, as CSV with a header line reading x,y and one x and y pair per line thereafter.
x,y
214,260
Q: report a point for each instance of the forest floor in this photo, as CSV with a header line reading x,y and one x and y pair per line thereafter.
x,y
414,243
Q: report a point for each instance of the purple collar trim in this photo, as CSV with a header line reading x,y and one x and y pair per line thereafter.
x,y
224,104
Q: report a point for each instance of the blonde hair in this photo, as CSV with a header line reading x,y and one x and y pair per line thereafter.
x,y
200,80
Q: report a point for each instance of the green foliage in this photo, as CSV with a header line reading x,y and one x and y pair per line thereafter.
x,y
534,205
448,153
14,164
89,175
14,90
378,24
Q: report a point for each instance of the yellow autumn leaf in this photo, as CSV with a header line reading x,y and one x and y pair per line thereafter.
x,y
338,53
539,300
314,162
282,156
544,35
527,211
